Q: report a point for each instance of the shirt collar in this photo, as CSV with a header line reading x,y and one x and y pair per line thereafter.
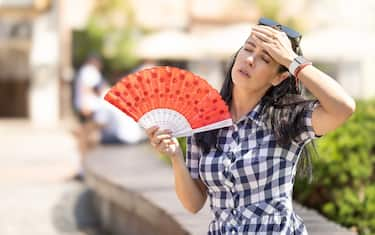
x,y
254,114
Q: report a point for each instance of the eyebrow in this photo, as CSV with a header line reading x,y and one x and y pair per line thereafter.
x,y
264,51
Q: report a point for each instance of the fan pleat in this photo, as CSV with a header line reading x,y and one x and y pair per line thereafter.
x,y
171,98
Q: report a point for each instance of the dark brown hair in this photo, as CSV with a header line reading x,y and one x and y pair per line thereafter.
x,y
288,105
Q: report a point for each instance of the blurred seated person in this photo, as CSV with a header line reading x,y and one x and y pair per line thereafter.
x,y
88,86
101,123
116,127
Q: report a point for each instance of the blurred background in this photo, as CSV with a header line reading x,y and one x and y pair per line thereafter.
x,y
44,43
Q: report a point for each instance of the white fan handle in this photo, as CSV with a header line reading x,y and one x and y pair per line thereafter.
x,y
167,119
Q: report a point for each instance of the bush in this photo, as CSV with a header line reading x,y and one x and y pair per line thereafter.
x,y
111,32
343,187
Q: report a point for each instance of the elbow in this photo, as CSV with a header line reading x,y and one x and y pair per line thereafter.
x,y
350,108
195,206
353,107
346,110
193,209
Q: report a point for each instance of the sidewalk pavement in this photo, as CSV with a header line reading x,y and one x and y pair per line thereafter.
x,y
36,194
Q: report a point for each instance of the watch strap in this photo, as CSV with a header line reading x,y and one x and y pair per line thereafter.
x,y
296,63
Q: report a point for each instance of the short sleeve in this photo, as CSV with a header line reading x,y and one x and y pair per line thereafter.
x,y
307,133
192,157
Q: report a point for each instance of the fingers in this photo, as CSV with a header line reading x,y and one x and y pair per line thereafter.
x,y
161,138
165,143
262,37
151,131
263,32
267,33
157,136
169,144
262,43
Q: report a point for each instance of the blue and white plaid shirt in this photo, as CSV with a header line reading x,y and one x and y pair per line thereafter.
x,y
250,177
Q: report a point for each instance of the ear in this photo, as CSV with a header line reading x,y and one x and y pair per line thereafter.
x,y
279,78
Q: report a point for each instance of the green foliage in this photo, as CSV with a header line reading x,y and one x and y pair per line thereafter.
x,y
269,8
343,188
273,9
110,32
182,142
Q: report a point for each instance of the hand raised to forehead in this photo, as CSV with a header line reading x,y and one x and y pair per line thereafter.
x,y
275,42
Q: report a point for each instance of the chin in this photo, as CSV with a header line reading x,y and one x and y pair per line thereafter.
x,y
240,81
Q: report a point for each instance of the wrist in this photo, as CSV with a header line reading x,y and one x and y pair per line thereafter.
x,y
289,60
176,156
300,68
297,65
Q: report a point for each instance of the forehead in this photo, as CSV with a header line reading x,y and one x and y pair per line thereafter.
x,y
250,40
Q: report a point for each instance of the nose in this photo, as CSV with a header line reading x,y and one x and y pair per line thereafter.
x,y
250,59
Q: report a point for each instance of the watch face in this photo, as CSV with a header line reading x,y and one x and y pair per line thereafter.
x,y
301,60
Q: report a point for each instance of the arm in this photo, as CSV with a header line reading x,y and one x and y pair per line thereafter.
x,y
191,192
336,106
86,107
89,77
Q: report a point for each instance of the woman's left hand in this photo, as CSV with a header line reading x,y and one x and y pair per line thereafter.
x,y
275,42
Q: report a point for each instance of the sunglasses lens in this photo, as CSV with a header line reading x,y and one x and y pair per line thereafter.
x,y
290,32
267,22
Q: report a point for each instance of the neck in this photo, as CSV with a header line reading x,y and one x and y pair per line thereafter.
x,y
243,101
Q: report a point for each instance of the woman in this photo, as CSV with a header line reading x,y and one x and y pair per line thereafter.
x,y
248,169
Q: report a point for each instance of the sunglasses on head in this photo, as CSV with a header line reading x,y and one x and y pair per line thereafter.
x,y
290,32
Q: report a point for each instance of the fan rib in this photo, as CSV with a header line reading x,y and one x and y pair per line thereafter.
x,y
171,98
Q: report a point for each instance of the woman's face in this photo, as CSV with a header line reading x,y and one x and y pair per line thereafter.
x,y
254,69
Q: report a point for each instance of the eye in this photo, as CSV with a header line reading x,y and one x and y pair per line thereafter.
x,y
265,59
248,49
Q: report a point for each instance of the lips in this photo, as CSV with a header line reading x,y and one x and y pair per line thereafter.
x,y
244,72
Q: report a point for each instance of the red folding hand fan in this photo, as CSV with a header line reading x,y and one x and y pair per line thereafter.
x,y
170,98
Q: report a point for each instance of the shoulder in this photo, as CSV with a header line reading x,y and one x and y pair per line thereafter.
x,y
89,72
291,118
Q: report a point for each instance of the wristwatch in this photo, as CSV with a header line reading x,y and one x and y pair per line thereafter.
x,y
297,62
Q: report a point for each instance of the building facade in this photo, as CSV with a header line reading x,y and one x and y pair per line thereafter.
x,y
35,44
